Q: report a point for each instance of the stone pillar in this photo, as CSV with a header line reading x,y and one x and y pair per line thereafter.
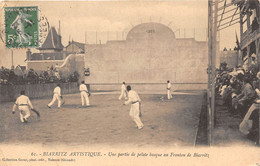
x,y
257,43
258,140
241,35
248,20
248,55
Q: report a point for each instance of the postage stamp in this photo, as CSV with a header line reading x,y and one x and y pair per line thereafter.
x,y
21,27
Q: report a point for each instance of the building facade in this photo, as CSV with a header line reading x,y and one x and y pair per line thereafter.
x,y
52,53
250,29
75,48
49,54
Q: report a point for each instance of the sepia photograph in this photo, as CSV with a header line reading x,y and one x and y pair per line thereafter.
x,y
130,82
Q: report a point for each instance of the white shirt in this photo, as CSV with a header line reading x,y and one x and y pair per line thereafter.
x,y
57,90
169,86
132,97
123,88
23,100
83,87
223,90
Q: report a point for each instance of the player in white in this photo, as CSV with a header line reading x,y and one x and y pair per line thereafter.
x,y
84,94
135,101
169,95
56,96
123,92
24,104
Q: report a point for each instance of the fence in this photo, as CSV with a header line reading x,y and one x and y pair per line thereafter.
x,y
11,92
101,37
150,88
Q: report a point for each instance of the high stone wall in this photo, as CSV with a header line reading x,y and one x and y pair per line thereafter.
x,y
151,54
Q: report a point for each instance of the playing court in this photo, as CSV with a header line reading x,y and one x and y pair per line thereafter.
x,y
107,122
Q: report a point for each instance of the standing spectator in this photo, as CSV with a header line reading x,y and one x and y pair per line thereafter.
x,y
57,75
56,71
49,71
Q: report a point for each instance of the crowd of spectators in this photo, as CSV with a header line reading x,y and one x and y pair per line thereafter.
x,y
9,76
239,89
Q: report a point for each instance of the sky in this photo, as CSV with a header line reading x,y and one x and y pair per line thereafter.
x,y
80,20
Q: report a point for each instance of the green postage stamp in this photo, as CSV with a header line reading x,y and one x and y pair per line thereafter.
x,y
21,27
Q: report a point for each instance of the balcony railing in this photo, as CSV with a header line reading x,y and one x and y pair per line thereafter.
x,y
249,36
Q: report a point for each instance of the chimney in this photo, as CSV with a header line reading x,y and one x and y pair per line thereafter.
x,y
59,37
28,54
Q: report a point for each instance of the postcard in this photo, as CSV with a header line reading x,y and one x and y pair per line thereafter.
x,y
129,83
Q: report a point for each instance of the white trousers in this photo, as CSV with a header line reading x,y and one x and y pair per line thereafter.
x,y
24,112
134,113
84,98
169,95
55,97
123,93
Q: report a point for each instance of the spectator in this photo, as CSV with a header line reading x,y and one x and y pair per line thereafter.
x,y
49,70
250,124
8,76
247,95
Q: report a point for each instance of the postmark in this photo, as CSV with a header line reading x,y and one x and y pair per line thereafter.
x,y
43,28
21,27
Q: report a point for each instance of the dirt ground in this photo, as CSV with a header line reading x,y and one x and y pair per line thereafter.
x,y
226,131
167,122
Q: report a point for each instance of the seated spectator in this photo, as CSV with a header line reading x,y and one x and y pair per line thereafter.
x,y
246,97
238,88
250,124
224,88
48,70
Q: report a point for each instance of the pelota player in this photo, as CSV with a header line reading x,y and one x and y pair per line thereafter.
x,y
24,104
84,93
169,95
56,96
123,92
135,101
